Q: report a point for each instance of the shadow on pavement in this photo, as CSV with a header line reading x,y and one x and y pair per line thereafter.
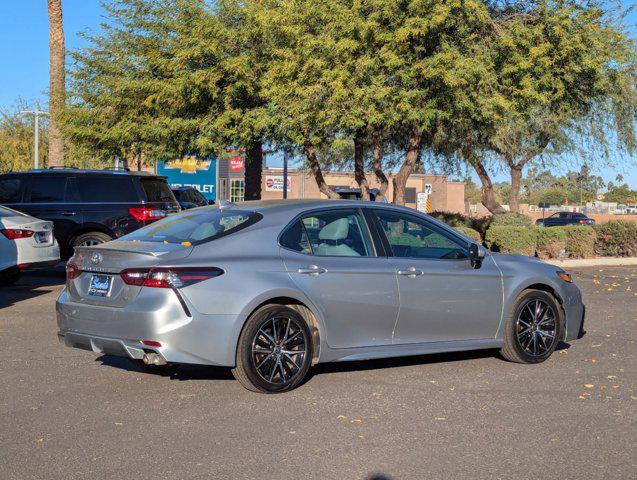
x,y
32,284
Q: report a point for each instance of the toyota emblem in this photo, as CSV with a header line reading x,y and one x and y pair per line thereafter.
x,y
96,258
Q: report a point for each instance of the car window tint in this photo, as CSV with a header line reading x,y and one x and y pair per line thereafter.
x,y
199,197
157,190
412,237
195,227
338,233
295,238
45,188
10,190
563,215
106,189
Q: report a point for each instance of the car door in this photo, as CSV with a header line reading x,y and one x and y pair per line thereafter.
x,y
442,297
331,257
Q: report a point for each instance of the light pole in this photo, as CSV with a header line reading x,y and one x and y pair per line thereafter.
x,y
36,133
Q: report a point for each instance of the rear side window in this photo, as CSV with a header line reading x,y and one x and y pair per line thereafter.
x,y
295,238
106,189
195,227
10,190
157,190
46,189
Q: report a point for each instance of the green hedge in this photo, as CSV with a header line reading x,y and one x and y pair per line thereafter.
x,y
505,239
471,233
510,219
551,243
453,219
616,238
580,241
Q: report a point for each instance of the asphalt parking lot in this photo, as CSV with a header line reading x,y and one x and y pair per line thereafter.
x,y
71,414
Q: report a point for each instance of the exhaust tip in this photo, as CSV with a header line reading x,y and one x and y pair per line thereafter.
x,y
153,359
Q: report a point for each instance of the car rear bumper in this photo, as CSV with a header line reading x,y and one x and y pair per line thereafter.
x,y
200,339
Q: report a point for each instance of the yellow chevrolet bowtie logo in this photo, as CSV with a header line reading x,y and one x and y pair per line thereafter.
x,y
188,164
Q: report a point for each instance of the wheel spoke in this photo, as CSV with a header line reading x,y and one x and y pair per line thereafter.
x,y
292,337
270,339
265,360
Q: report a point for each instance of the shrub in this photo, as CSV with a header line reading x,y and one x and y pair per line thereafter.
x,y
511,219
551,242
580,241
471,233
616,238
508,239
452,219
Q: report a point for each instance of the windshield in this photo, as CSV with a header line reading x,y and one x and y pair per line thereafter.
x,y
195,227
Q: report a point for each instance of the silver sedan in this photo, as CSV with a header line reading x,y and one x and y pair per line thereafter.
x,y
271,288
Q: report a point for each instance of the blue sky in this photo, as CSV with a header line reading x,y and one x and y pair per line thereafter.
x,y
24,59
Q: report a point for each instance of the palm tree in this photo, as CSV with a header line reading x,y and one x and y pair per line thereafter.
x,y
57,89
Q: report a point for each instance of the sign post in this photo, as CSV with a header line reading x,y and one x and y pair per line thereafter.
x,y
543,206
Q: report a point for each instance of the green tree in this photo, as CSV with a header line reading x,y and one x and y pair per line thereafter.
x,y
16,139
565,76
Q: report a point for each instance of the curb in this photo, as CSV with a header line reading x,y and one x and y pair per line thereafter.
x,y
594,262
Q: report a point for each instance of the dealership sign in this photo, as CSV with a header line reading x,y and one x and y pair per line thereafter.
x,y
274,183
191,172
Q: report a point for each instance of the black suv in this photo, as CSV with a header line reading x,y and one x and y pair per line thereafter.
x,y
88,207
561,219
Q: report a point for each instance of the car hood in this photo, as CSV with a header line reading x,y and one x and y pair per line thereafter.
x,y
514,262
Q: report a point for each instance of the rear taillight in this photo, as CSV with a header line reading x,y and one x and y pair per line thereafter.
x,y
15,233
145,214
167,277
72,272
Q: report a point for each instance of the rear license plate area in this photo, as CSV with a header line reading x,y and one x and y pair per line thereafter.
x,y
100,285
42,237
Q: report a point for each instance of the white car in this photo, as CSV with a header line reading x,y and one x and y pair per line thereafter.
x,y
25,242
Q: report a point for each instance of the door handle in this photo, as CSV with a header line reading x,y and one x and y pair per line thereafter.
x,y
312,270
68,214
411,272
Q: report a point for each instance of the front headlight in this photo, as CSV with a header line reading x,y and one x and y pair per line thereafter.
x,y
565,276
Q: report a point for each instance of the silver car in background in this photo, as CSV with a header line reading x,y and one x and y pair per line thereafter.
x,y
271,288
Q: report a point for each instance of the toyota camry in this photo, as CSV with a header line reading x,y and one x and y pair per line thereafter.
x,y
272,288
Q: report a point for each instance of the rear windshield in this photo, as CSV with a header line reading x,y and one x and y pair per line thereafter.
x,y
195,227
157,190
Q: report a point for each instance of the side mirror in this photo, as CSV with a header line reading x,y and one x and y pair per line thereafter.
x,y
476,255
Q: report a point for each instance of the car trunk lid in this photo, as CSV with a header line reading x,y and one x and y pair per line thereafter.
x,y
98,281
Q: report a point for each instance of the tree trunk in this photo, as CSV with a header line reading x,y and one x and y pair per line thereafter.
x,y
488,194
411,157
315,167
57,88
253,169
514,193
359,164
378,167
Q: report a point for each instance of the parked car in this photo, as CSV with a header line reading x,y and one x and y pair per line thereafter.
x,y
355,193
560,219
189,197
88,207
270,288
25,243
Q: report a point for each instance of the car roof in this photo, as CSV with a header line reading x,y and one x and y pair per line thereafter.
x,y
300,205
183,188
87,171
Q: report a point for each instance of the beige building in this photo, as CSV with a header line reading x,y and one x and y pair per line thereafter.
x,y
444,194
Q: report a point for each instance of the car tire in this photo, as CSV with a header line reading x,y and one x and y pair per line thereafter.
x,y
90,239
274,352
10,276
533,328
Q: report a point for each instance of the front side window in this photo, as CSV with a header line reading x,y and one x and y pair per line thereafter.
x,y
195,227
413,237
331,233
